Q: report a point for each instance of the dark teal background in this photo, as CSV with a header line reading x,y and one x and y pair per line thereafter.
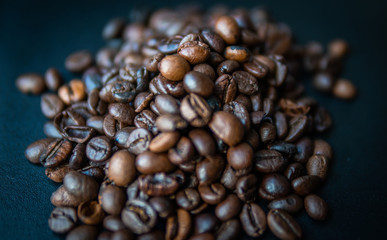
x,y
35,35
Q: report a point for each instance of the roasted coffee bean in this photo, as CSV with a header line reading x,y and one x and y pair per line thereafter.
x,y
138,216
215,42
183,152
322,120
122,112
57,174
142,101
95,172
267,132
188,198
304,149
163,206
122,169
137,142
68,118
112,199
113,28
62,219
56,152
323,82
51,105
203,141
94,104
158,184
99,149
269,161
30,83
281,124
291,203
81,186
237,53
294,171
160,84
78,61
90,213
199,83
78,134
51,131
225,88
240,111
317,165
228,67
178,226
62,198
213,193
322,148
37,149
203,236
168,122
194,51
246,188
166,104
281,70
74,92
145,119
306,184
206,69
164,141
150,163
210,169
195,110
338,48
53,79
174,67
256,68
286,149
228,29
253,219
227,127
113,223
153,235
83,232
240,156
228,208
297,127
316,207
123,91
282,225
123,234
228,230
92,78
96,122
247,83
274,186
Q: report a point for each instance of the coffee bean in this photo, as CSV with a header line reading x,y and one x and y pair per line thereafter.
x,y
253,219
282,225
78,134
122,112
247,83
99,149
228,29
228,67
203,236
58,173
112,200
81,186
318,165
281,124
240,156
164,141
96,122
78,61
142,101
51,131
62,198
203,142
111,126
183,152
90,213
210,169
274,186
225,88
188,199
160,84
195,110
53,79
178,226
159,184
228,208
256,68
122,168
294,171
281,70
269,161
323,82
30,83
199,83
316,207
206,69
168,122
74,92
344,89
62,219
213,193
150,162
138,216
194,51
146,119
123,91
304,149
322,148
36,149
173,67
237,53
163,206
291,203
228,230
113,28
227,127
166,104
56,152
297,126
153,235
240,111
213,40
306,184
113,223
245,188
267,132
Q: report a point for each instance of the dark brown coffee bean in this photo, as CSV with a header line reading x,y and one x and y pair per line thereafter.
x,y
210,169
78,134
96,122
122,112
163,206
291,203
247,83
183,152
294,171
306,184
56,152
240,156
281,124
256,68
269,161
228,29
99,149
158,184
62,198
213,40
142,101
168,122
170,45
95,172
338,48
92,78
257,117
228,67
53,79
78,61
199,83
322,148
229,177
304,149
58,173
318,165
51,131
206,69
297,127
174,67
203,141
286,149
51,105
111,126
228,208
164,141
322,120
213,193
123,91
225,88
113,28
113,223
203,236
178,226
153,235
274,186
282,225
90,213
316,207
228,230
195,110
246,188
215,59
323,82
68,118
146,119
240,111
166,104
83,232
36,149
204,223
122,168
281,70
81,186
267,132
137,141
194,51
188,199
227,127
74,92
237,53
94,104
112,199
253,219
160,84
150,163
138,216
30,83
62,219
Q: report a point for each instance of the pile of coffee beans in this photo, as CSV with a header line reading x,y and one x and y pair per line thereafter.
x,y
189,124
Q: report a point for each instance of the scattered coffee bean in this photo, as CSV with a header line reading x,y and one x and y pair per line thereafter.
x,y
316,207
30,83
282,225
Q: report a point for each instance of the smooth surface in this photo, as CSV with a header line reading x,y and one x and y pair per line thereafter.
x,y
36,35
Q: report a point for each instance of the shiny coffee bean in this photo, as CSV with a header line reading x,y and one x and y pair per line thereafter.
x,y
245,188
318,165
99,149
194,51
78,61
149,162
138,141
210,169
291,203
83,232
225,88
294,171
213,193
274,186
199,83
166,104
178,226
183,152
228,230
188,198
204,223
344,89
247,83
122,169
206,69
36,149
229,208
282,225
164,141
53,79
228,29
112,199
173,67
240,156
90,213
269,161
138,216
51,105
81,186
215,41
237,53
227,127
321,147
203,142
62,219
306,184
195,110
316,207
58,173
253,219
56,152
163,206
30,83
74,92
304,150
